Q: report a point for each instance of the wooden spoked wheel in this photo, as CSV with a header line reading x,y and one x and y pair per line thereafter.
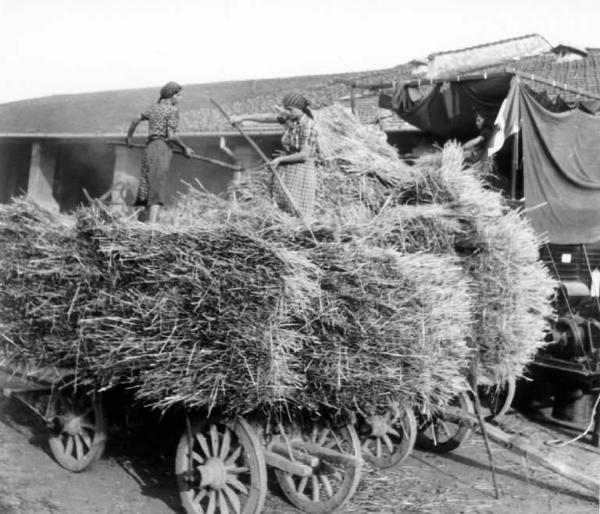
x,y
437,434
498,397
334,480
79,434
221,469
386,440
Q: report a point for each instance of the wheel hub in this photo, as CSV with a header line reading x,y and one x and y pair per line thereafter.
x,y
213,474
72,425
379,426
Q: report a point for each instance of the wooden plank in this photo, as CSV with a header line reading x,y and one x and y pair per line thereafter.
x,y
284,464
521,447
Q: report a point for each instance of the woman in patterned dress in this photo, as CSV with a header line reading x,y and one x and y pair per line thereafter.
x,y
162,118
295,166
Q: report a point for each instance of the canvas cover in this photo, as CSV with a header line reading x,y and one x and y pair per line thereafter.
x,y
561,163
560,144
447,109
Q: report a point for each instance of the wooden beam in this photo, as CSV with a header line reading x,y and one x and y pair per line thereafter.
x,y
521,447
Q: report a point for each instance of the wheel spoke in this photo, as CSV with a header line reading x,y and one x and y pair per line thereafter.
x,y
327,486
203,444
69,446
223,509
233,499
237,484
214,438
315,488
237,469
78,447
388,443
433,435
201,494
89,426
225,444
444,426
86,439
234,456
395,433
302,485
197,457
212,504
378,447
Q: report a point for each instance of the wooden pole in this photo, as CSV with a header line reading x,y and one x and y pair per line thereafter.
x,y
514,167
353,99
519,446
234,167
262,155
473,380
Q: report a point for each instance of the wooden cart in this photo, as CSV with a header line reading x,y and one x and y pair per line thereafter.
x,y
221,465
75,420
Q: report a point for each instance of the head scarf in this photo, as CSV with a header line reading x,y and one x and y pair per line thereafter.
x,y
295,100
169,90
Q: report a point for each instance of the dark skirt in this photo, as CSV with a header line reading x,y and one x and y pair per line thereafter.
x,y
153,176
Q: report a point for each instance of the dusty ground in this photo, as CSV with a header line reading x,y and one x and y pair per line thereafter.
x,y
135,477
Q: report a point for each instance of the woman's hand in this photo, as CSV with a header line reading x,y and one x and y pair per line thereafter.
x,y
187,151
276,162
236,119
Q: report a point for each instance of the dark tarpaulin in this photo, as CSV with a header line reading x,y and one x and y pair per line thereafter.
x,y
561,162
446,109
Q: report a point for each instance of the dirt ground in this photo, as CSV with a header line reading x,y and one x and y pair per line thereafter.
x,y
135,476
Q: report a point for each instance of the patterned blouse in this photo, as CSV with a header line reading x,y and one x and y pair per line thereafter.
x,y
162,120
298,134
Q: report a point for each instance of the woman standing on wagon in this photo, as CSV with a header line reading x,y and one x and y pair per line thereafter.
x,y
295,167
163,118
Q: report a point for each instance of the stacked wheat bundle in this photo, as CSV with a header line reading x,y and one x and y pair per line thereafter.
x,y
196,317
443,207
239,307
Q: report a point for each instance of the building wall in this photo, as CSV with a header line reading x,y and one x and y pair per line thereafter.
x,y
79,166
15,158
98,166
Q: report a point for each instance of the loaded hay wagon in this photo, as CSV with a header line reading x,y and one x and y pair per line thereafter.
x,y
548,169
303,346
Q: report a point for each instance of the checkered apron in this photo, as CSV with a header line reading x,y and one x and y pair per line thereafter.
x,y
299,179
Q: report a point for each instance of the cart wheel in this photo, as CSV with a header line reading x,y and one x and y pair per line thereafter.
x,y
79,433
228,471
441,436
499,397
387,440
333,483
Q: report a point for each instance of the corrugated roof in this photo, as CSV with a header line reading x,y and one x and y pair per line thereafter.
x,y
109,113
583,73
446,64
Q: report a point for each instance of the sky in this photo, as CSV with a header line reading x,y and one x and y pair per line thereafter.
x,y
73,46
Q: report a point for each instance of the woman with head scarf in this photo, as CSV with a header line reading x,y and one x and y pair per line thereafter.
x,y
162,118
294,166
476,148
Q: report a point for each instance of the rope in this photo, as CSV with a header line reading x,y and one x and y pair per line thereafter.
x,y
558,443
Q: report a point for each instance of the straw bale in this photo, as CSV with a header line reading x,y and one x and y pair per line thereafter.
x,y
164,308
393,328
512,298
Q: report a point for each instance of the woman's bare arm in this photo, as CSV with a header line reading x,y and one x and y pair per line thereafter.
x,y
266,117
